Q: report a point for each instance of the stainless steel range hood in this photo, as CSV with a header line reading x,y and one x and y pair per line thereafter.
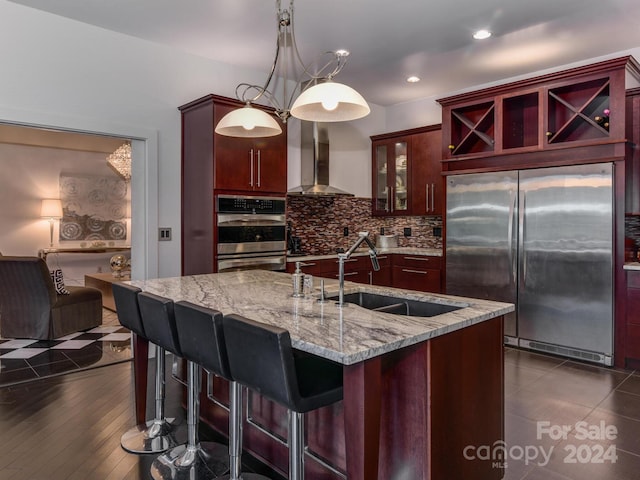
x,y
314,158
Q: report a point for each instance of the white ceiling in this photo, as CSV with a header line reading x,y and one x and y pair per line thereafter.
x,y
388,40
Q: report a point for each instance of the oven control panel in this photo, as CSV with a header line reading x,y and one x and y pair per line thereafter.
x,y
246,204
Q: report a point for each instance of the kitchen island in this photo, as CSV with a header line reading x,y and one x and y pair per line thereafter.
x,y
417,391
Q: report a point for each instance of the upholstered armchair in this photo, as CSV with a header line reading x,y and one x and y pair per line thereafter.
x,y
31,308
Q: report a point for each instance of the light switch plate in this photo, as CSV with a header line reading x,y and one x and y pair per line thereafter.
x,y
164,234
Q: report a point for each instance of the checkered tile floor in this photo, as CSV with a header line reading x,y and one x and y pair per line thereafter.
x,y
25,360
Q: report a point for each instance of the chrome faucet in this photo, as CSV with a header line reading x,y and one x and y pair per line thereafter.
x,y
362,237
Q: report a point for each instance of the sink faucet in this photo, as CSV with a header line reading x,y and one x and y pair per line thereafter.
x,y
362,237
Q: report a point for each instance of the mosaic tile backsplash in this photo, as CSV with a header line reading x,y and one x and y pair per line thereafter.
x,y
320,224
632,228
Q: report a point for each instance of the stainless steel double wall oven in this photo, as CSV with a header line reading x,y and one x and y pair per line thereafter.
x,y
250,233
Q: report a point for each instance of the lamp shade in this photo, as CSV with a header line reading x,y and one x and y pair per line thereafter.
x,y
248,122
51,208
330,102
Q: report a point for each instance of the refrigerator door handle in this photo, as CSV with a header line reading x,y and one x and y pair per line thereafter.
x,y
510,230
523,235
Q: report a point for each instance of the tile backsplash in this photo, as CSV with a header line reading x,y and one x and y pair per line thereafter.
x,y
320,224
632,228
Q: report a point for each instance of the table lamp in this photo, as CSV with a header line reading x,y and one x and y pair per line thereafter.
x,y
51,210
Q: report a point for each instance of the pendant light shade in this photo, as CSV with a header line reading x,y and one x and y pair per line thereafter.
x,y
330,102
248,122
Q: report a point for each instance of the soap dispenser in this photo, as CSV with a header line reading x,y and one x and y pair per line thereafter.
x,y
298,281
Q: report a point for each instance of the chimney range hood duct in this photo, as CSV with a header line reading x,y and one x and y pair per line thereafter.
x,y
314,158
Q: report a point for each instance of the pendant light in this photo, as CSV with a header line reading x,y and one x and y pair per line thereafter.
x,y
319,99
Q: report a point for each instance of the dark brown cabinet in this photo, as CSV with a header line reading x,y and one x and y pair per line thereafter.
x,y
406,170
632,166
417,272
383,276
356,269
427,182
214,163
249,164
390,175
632,343
582,109
411,272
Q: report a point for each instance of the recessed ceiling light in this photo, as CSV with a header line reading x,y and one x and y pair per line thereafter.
x,y
342,52
413,79
481,34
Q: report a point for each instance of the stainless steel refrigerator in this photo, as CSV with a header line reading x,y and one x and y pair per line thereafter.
x,y
543,240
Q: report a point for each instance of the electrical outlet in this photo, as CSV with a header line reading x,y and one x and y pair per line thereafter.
x,y
437,231
164,234
407,231
381,230
345,231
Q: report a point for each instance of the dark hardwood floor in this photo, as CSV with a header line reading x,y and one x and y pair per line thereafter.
x,y
69,427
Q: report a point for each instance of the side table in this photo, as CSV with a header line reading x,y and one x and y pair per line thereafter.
x,y
103,282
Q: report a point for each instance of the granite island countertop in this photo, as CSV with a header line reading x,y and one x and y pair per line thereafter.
x,y
632,266
346,335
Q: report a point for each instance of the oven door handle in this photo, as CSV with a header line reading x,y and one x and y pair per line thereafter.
x,y
249,219
250,262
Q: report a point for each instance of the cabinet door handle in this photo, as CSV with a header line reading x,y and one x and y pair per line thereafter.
x,y
433,200
348,260
387,193
259,175
370,278
305,264
426,201
420,259
413,271
350,273
392,199
251,166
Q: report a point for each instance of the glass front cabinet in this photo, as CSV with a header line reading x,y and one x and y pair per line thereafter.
x,y
391,176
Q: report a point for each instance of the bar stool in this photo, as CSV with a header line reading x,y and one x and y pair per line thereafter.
x,y
159,434
202,342
261,358
194,460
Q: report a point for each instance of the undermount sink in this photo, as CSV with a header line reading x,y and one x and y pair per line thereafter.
x,y
397,305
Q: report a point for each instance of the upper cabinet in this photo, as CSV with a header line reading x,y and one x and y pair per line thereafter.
x,y
249,164
391,175
579,108
632,177
427,182
406,172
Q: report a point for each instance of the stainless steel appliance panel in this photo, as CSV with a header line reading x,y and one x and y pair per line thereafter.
x,y
481,247
250,233
566,253
232,263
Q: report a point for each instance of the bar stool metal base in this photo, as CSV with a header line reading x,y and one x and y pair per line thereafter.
x,y
205,462
154,437
245,476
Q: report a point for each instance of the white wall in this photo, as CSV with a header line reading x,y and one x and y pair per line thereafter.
x,y
62,73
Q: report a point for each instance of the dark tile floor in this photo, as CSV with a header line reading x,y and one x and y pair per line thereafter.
x,y
26,360
567,420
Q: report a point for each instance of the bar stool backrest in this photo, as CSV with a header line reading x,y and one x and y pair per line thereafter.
x,y
159,321
126,299
201,337
261,358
